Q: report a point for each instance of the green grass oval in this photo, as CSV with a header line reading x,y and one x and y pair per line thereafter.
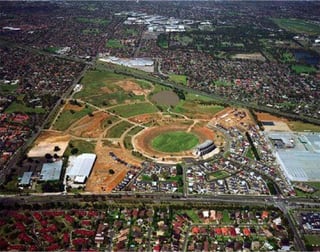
x,y
174,141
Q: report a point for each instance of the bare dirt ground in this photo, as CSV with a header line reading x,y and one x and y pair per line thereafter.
x,y
232,117
46,142
280,123
69,106
130,86
100,180
90,127
145,118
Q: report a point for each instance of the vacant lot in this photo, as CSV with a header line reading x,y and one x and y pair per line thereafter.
x,y
168,98
134,109
46,143
90,126
180,79
77,147
68,117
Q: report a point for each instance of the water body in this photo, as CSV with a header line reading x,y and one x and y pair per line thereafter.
x,y
306,57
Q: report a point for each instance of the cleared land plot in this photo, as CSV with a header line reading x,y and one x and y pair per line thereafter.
x,y
117,130
77,147
90,126
297,25
174,141
134,109
104,88
249,56
168,98
68,117
197,110
47,141
298,126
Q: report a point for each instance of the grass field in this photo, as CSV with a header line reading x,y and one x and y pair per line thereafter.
x,y
222,83
301,126
218,175
250,154
174,141
67,117
18,107
114,43
180,79
93,81
134,109
117,130
191,108
128,143
5,88
135,131
99,21
312,240
193,216
297,25
91,31
81,146
99,88
303,69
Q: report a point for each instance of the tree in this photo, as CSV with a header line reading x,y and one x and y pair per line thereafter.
x,y
56,148
111,171
74,151
179,169
48,156
154,177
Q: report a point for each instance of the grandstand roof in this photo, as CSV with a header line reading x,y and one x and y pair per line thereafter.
x,y
51,171
205,144
81,165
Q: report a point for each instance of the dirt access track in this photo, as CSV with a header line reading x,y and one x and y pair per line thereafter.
x,y
47,141
89,126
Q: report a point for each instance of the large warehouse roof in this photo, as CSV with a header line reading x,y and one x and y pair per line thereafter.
x,y
51,171
81,165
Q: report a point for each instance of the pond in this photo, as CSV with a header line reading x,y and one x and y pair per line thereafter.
x,y
306,57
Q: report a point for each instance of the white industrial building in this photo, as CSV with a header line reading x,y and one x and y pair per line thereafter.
x,y
80,167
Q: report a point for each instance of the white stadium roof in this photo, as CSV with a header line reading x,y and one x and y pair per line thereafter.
x,y
81,165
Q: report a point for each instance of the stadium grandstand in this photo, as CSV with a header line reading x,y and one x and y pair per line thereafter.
x,y
205,148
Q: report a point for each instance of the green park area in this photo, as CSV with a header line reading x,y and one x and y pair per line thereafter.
x,y
218,175
118,129
177,78
297,25
303,69
68,117
222,83
114,43
134,109
312,241
77,147
90,31
175,141
99,21
22,108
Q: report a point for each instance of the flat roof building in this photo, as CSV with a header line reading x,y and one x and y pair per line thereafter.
x,y
51,171
26,179
80,166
